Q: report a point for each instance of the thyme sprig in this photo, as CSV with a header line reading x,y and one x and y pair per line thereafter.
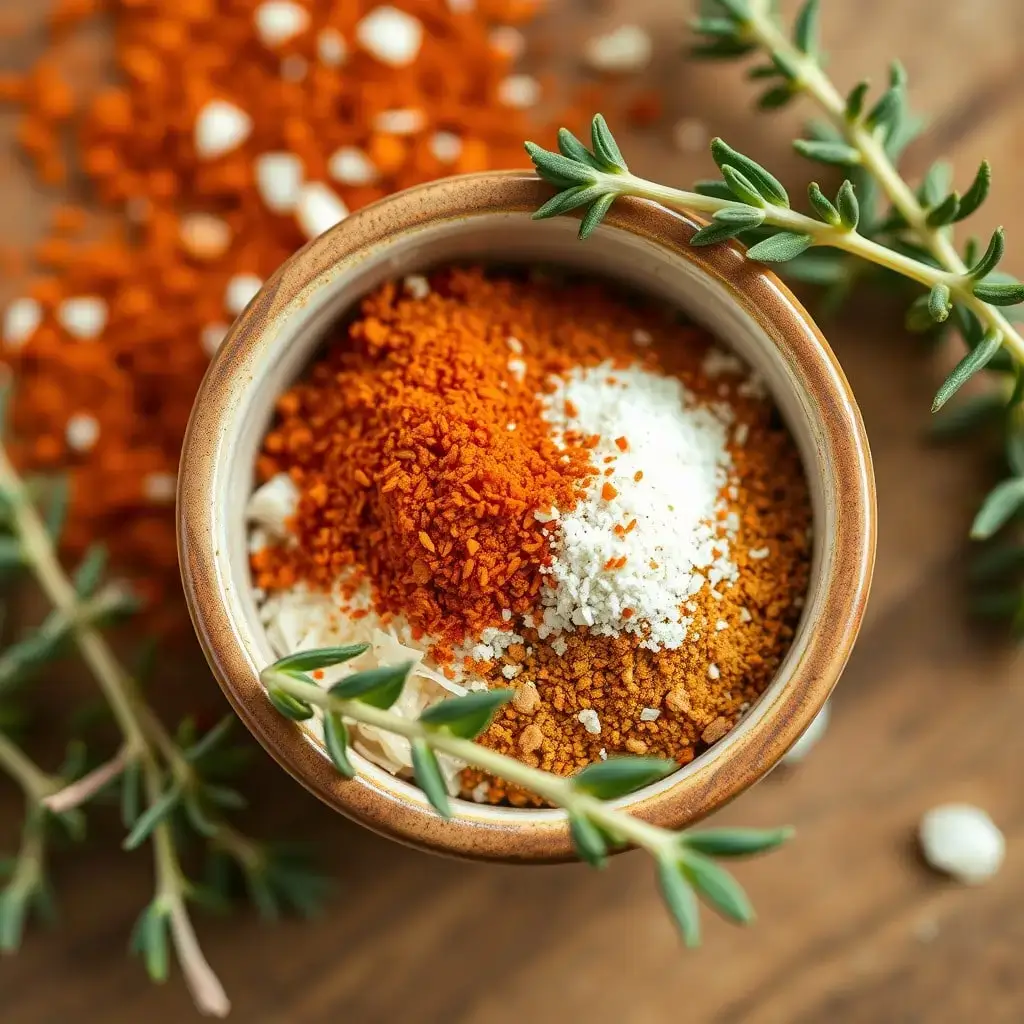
x,y
173,788
686,868
876,216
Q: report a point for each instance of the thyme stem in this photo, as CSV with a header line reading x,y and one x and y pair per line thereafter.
x,y
553,788
789,220
813,80
135,720
35,783
83,789
42,560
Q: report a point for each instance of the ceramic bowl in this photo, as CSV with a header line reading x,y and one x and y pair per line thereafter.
x,y
487,217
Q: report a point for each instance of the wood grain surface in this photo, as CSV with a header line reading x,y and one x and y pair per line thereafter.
x,y
852,928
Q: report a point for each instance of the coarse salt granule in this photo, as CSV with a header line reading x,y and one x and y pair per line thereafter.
x,y
445,147
279,179
962,841
507,41
678,447
220,127
624,50
390,35
714,672
402,121
240,291
159,487
519,91
349,165
331,48
83,317
211,336
82,431
273,504
318,209
589,720
416,286
204,236
493,643
649,714
277,21
22,318
759,554
718,362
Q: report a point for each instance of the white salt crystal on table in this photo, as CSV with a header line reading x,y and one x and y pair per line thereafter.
x,y
240,291
445,147
624,50
390,35
962,841
211,336
331,47
507,41
83,317
22,318
318,209
349,165
519,91
204,236
279,178
82,431
402,121
220,127
277,21
160,487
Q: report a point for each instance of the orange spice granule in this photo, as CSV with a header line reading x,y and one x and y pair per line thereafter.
x,y
417,396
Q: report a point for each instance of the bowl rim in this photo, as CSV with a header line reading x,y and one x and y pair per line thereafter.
x,y
527,835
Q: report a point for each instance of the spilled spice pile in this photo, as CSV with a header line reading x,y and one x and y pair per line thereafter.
x,y
221,136
539,484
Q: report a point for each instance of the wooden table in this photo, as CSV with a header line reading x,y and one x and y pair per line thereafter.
x,y
852,927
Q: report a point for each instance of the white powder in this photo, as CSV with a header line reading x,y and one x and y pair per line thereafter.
x,y
299,619
679,445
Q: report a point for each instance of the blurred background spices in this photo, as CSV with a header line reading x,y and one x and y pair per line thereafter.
x,y
234,133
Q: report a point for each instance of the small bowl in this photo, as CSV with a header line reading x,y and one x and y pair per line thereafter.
x,y
486,217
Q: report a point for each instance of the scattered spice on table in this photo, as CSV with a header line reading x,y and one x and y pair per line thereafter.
x,y
537,483
233,133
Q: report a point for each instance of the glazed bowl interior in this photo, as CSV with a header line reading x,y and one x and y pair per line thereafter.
x,y
265,353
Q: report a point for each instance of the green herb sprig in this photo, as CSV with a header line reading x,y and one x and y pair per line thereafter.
x,y
685,862
876,216
173,789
